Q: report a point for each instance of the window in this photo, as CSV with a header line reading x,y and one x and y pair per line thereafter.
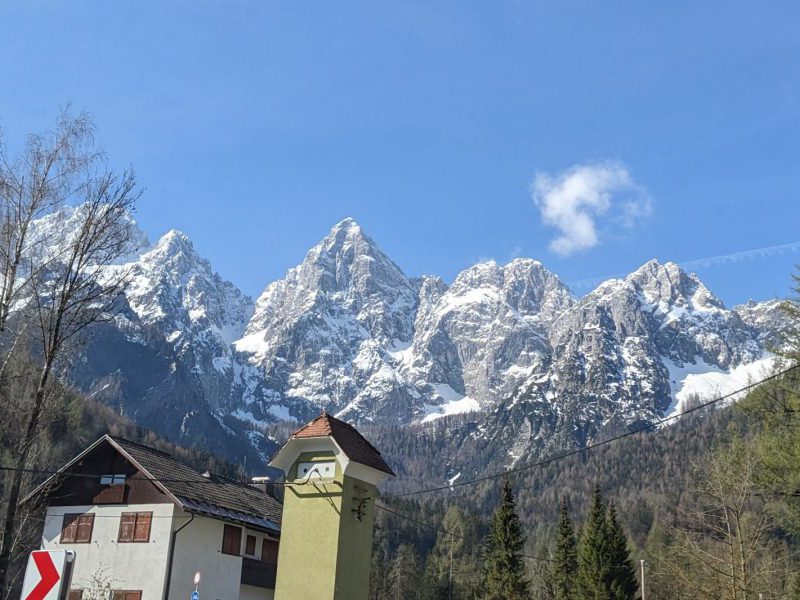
x,y
232,540
117,479
77,529
126,595
269,552
250,545
75,594
135,527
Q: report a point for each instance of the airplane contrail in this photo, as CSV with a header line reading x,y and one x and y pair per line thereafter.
x,y
707,262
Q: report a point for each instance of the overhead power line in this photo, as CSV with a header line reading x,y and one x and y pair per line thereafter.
x,y
211,480
591,447
221,480
448,533
469,541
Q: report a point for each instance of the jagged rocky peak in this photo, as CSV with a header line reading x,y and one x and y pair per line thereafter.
x,y
48,233
768,318
524,284
352,263
486,332
173,243
172,285
345,271
668,285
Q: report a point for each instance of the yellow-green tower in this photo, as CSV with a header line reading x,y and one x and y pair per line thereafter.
x,y
332,473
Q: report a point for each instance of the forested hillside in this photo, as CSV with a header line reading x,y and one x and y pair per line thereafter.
x,y
658,482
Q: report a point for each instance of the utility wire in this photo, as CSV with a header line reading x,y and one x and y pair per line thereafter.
x,y
227,481
154,479
461,537
590,447
444,531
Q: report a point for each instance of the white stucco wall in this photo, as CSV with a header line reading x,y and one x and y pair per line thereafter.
x,y
106,562
143,566
198,547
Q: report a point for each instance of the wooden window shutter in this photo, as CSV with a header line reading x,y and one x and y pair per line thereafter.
x,y
141,531
269,552
127,524
85,528
75,594
250,545
231,540
133,595
69,529
126,595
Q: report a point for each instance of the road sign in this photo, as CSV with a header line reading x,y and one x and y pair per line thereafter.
x,y
195,595
45,575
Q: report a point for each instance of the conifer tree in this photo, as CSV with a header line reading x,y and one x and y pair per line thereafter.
x,y
593,572
452,569
504,569
565,568
403,577
623,583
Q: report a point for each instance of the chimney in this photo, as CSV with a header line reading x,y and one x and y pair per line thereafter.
x,y
263,484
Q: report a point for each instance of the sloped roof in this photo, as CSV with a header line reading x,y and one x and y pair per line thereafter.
x,y
352,443
214,495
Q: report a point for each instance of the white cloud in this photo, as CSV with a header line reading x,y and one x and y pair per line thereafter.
x,y
586,198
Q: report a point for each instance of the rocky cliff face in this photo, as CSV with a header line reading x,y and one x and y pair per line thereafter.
x,y
348,332
617,360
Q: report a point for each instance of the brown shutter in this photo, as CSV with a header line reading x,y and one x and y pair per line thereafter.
x,y
75,594
231,540
141,532
131,595
269,552
126,595
127,524
69,529
250,545
85,527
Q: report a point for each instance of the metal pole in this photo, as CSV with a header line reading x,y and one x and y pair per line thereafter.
x,y
641,563
450,581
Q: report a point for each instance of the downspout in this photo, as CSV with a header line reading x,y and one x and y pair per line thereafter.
x,y
172,554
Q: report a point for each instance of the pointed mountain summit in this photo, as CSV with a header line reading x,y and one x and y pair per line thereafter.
x,y
345,271
486,332
176,289
665,285
318,336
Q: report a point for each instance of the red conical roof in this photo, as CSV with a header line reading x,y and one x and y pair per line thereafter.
x,y
352,443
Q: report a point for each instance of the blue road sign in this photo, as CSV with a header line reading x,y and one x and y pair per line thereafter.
x,y
195,595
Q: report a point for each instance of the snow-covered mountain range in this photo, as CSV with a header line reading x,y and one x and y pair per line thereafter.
x,y
347,331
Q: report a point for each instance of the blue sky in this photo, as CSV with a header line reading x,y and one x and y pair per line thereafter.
x,y
665,130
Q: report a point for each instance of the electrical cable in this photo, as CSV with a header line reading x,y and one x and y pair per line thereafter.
x,y
590,447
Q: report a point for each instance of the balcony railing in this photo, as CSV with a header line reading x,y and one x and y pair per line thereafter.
x,y
257,573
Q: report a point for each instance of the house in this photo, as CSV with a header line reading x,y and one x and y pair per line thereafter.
x,y
142,523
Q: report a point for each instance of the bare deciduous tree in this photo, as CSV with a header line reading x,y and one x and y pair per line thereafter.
x,y
65,222
721,546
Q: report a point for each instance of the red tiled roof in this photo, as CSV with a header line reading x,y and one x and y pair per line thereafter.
x,y
352,443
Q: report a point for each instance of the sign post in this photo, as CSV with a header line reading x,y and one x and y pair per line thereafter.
x,y
196,593
47,574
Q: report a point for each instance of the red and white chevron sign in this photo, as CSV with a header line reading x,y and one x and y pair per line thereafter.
x,y
44,576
